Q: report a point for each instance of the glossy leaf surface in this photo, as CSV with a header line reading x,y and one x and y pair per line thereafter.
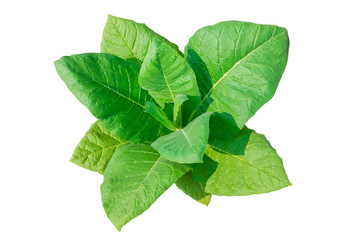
x,y
108,87
135,177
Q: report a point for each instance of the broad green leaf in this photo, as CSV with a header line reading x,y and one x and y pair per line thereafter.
x,y
166,74
179,100
193,189
159,114
238,66
129,40
247,164
135,177
186,145
96,148
108,87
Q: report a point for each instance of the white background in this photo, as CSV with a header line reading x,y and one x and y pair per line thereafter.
x,y
313,122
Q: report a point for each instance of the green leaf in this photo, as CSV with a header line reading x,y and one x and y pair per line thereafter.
x,y
203,171
223,127
238,66
179,100
129,40
108,87
193,189
96,148
166,74
188,107
186,145
159,114
135,177
247,164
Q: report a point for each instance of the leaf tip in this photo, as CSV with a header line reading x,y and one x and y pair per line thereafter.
x,y
111,16
60,64
119,227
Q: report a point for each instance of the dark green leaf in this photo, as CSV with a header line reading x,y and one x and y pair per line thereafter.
x,y
179,100
193,189
203,171
108,87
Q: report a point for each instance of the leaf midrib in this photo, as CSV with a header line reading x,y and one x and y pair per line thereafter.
x,y
103,149
225,74
248,162
188,140
146,176
127,44
132,197
167,83
108,87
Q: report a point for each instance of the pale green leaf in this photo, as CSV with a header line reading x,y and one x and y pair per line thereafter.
x,y
107,85
166,74
177,111
247,164
129,40
96,148
193,189
135,177
159,114
238,66
186,145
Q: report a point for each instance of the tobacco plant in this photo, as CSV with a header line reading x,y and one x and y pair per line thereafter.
x,y
166,117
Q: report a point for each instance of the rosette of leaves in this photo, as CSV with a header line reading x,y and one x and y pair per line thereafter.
x,y
166,117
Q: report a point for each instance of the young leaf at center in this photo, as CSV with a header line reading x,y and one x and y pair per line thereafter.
x,y
179,100
186,145
160,115
166,74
